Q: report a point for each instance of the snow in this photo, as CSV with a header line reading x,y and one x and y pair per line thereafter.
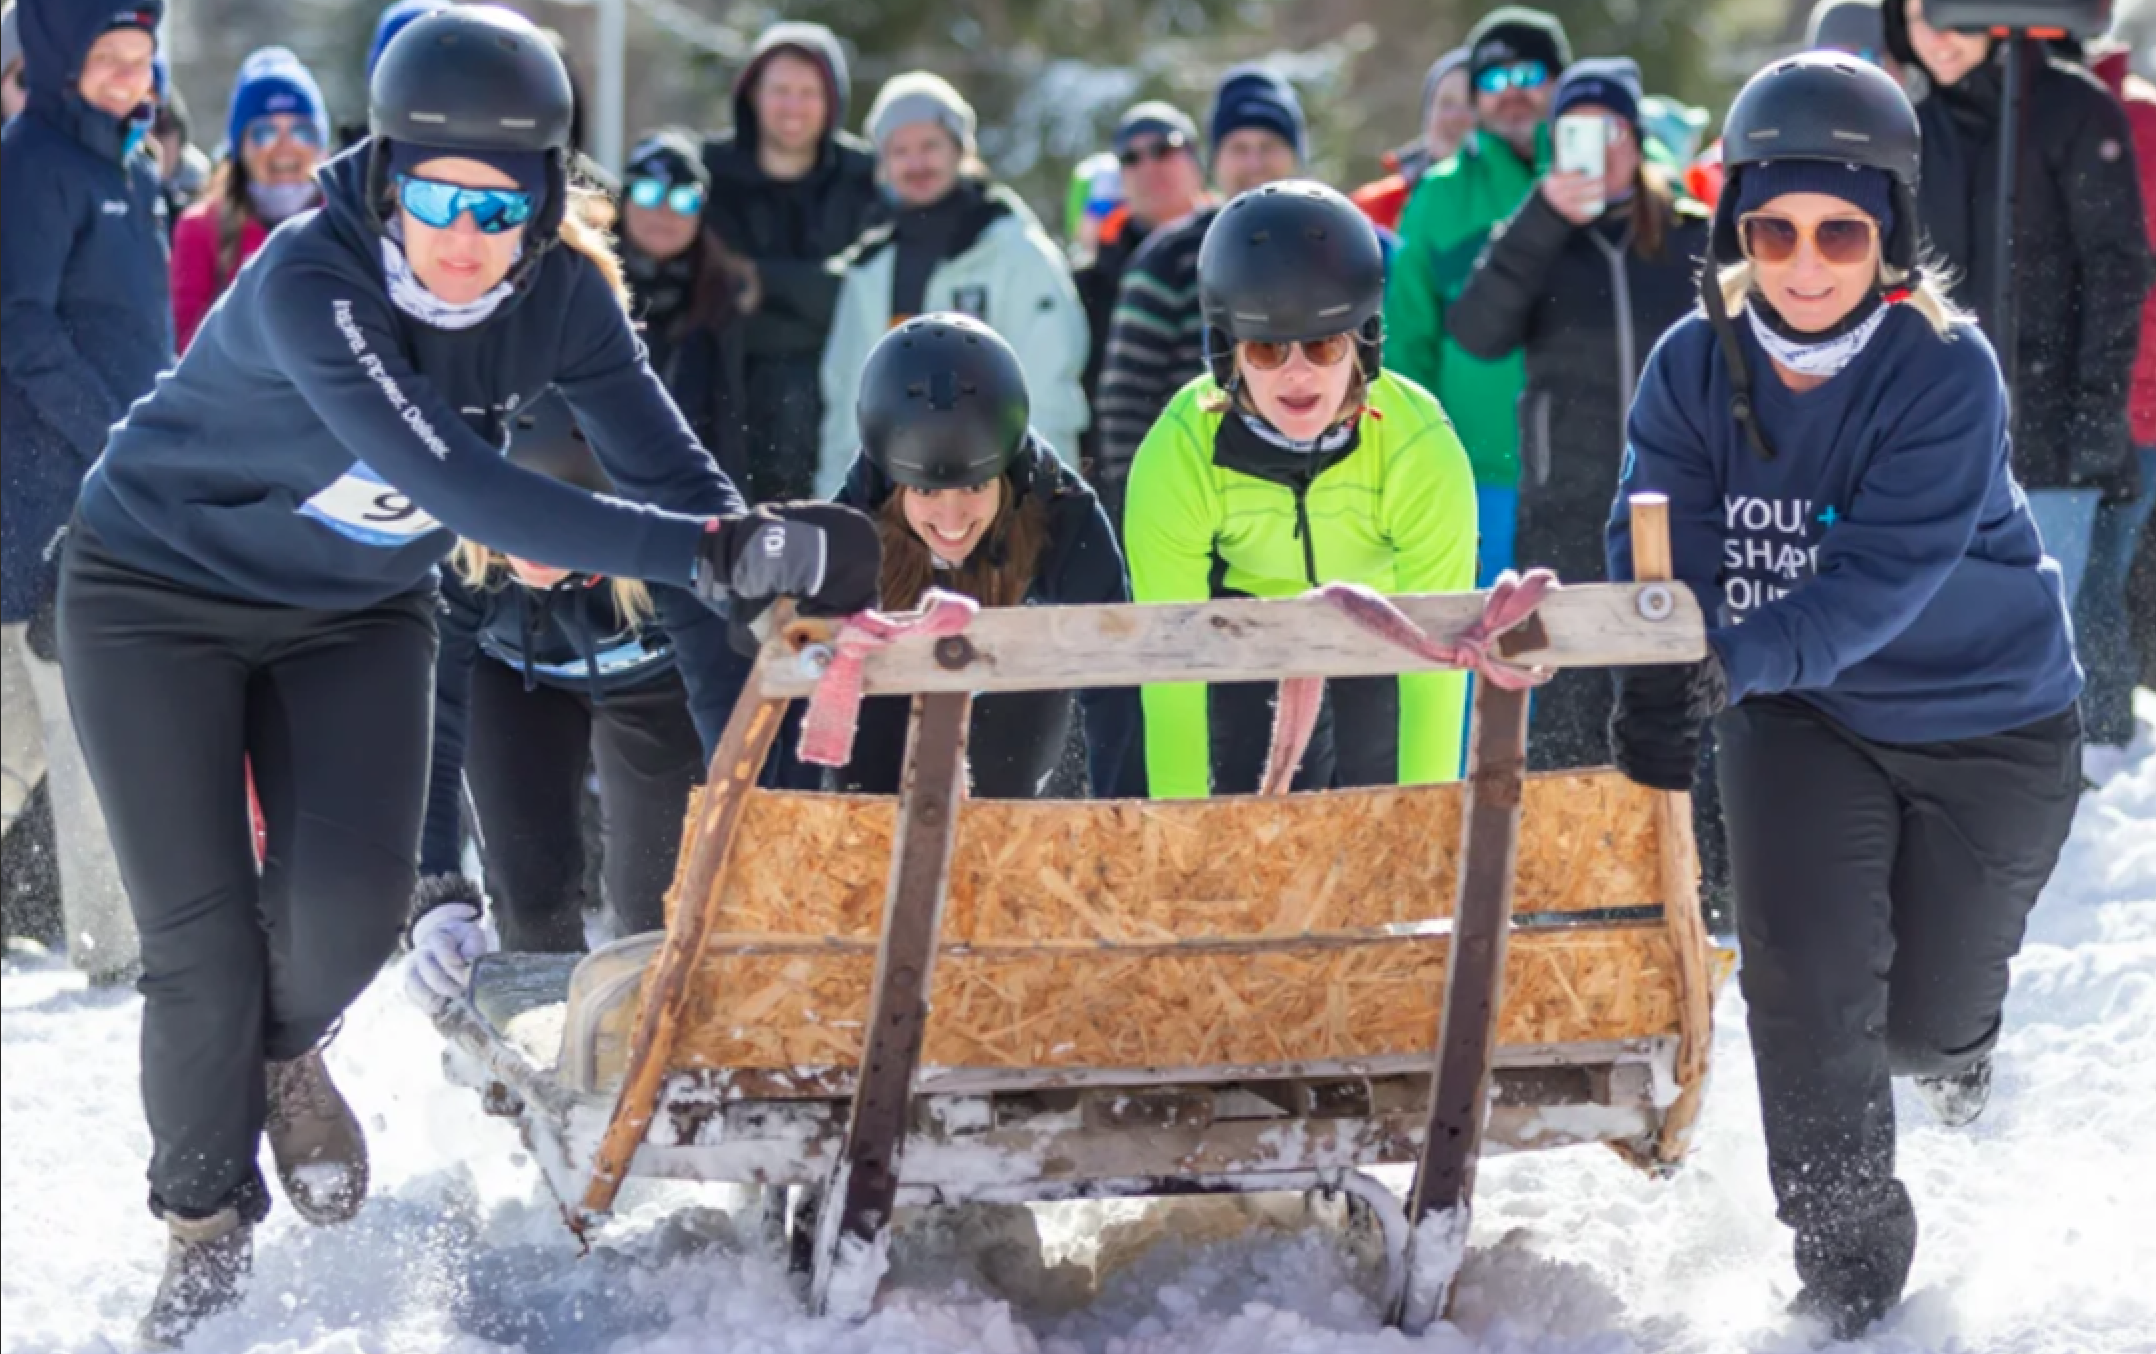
x,y
2039,1221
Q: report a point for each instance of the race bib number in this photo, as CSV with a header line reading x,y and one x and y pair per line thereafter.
x,y
362,505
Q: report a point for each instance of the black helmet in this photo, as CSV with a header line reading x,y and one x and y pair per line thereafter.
x,y
474,78
943,403
1826,106
1286,262
544,437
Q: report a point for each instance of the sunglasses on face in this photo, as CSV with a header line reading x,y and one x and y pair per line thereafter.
x,y
1329,351
682,199
1840,240
1164,149
1518,75
266,132
493,210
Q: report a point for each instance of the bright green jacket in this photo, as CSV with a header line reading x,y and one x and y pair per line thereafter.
x,y
1446,223
1397,514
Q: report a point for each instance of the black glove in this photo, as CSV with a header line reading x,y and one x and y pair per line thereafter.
x,y
824,555
1661,714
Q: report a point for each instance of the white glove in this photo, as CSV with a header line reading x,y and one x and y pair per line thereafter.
x,y
446,942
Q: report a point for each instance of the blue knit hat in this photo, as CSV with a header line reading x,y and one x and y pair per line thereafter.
x,y
1866,189
273,81
1252,96
1610,81
394,20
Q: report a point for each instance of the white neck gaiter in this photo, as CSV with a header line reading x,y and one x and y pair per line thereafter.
x,y
411,296
1822,359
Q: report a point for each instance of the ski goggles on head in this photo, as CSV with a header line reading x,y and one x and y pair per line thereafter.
x,y
1840,240
1330,351
263,133
493,210
682,199
1514,75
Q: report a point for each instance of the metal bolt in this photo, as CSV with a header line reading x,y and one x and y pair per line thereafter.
x,y
1656,603
954,652
814,658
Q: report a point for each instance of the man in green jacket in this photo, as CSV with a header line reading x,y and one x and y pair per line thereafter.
x,y
1514,58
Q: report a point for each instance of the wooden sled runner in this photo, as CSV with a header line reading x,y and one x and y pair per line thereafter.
x,y
879,1002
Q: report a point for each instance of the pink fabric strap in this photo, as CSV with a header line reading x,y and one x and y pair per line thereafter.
x,y
1511,600
834,711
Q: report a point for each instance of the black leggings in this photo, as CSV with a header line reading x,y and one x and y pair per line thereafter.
x,y
174,693
1355,743
526,764
1881,891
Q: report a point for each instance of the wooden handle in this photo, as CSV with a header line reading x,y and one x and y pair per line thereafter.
x,y
1650,538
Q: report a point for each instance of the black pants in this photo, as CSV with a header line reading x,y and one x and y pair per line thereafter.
x,y
526,763
1356,741
1881,891
174,693
1014,743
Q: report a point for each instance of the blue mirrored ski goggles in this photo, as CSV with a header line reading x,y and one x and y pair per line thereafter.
x,y
683,199
1517,75
493,210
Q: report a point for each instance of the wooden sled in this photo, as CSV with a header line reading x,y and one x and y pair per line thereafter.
x,y
879,1002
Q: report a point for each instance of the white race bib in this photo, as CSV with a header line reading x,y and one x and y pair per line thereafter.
x,y
364,506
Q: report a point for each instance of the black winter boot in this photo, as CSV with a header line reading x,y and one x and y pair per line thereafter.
x,y
206,1264
1956,1099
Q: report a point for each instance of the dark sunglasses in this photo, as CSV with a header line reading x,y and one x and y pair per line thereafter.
x,y
1329,351
1164,149
493,210
1840,240
1518,75
263,133
683,199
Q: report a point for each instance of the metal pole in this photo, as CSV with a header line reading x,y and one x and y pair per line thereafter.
x,y
2012,108
608,123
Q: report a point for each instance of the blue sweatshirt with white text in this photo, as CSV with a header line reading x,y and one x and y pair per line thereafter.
x,y
317,447
1883,567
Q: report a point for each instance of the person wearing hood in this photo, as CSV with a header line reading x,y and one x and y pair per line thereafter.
x,y
1515,56
957,241
250,580
2081,262
1156,152
1296,461
1448,115
1889,669
546,676
969,499
183,170
85,328
1156,341
790,190
1857,27
275,137
2103,617
692,295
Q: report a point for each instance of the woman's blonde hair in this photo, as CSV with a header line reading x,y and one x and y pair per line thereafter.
x,y
1927,298
486,568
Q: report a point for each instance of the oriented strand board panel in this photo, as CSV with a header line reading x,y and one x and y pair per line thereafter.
x,y
1140,871
1335,997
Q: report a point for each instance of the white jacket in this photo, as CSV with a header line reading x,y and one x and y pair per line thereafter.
x,y
1012,278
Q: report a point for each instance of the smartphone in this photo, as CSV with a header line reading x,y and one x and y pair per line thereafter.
x,y
1582,147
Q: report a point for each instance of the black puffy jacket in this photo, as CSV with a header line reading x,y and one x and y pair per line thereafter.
x,y
2080,256
1588,309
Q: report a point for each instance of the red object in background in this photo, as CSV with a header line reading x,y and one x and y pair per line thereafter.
x,y
2139,97
1704,177
196,280
254,815
1383,201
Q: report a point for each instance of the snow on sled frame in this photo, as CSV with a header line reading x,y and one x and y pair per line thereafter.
x,y
1134,998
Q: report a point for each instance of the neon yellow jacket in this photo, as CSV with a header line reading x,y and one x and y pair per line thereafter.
x,y
1397,515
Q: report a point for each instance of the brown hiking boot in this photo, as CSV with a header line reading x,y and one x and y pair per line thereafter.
x,y
206,1264
321,1151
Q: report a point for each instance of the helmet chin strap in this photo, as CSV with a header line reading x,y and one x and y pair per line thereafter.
x,y
1740,377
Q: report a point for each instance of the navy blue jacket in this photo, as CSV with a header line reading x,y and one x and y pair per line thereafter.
x,y
85,303
571,637
1883,567
316,447
1017,738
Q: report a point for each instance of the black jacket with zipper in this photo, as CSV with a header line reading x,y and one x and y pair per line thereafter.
x,y
2080,256
1588,309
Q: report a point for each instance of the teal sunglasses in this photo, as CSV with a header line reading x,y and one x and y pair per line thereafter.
x,y
494,210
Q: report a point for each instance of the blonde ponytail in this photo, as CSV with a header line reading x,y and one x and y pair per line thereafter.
x,y
485,569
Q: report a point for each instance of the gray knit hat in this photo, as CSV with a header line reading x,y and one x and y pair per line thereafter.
x,y
920,96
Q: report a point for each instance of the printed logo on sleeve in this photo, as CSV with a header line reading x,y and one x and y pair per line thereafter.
x,y
369,509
